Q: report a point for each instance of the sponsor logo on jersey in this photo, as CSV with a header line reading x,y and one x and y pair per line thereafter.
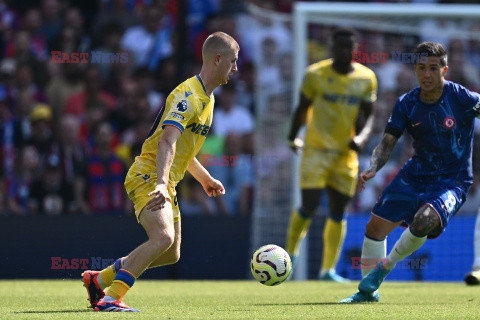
x,y
416,124
449,123
341,98
182,106
198,128
177,115
203,105
187,93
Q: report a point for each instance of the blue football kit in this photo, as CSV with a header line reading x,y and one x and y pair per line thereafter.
x,y
439,174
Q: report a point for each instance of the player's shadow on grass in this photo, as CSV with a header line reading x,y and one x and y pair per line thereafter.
x,y
54,311
299,304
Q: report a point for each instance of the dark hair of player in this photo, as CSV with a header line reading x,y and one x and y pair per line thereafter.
x,y
345,32
432,49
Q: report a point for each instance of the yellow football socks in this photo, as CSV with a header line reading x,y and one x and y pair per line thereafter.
x,y
124,280
108,274
333,236
297,230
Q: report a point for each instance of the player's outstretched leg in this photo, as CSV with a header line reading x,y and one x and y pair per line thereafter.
x,y
94,290
361,297
405,246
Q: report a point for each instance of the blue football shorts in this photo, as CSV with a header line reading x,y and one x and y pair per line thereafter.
x,y
403,197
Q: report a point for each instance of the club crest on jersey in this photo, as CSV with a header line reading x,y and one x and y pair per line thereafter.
x,y
449,123
182,106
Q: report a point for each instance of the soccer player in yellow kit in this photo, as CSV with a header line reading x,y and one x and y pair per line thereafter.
x,y
176,137
336,103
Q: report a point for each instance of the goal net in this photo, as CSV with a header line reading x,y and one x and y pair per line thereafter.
x,y
284,44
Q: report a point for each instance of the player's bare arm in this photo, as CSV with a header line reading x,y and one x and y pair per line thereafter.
x,y
380,156
299,119
363,125
165,155
212,187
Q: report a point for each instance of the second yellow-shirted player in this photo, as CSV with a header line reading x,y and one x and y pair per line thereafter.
x,y
170,149
336,103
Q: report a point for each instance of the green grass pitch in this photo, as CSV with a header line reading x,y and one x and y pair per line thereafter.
x,y
66,299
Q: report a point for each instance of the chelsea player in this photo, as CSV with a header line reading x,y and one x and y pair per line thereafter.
x,y
433,184
170,149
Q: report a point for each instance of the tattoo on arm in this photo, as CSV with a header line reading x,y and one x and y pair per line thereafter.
x,y
382,152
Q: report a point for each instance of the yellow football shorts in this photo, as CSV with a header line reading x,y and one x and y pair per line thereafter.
x,y
321,168
138,187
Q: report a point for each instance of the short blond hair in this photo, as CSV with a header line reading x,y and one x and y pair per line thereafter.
x,y
218,42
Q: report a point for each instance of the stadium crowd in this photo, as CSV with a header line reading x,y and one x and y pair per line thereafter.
x,y
70,128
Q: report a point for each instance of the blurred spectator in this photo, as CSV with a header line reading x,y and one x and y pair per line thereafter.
x,y
473,49
127,113
23,125
119,12
96,112
67,83
52,22
24,82
105,174
21,50
32,22
150,41
74,20
246,87
115,73
269,79
460,70
43,138
92,83
72,150
230,117
27,169
166,75
7,138
253,30
49,194
145,84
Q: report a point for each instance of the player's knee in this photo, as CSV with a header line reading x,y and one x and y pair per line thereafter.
x,y
424,222
163,241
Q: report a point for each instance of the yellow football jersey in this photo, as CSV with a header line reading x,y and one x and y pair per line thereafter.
x,y
190,109
335,103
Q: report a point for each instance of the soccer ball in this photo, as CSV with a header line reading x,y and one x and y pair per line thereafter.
x,y
271,265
